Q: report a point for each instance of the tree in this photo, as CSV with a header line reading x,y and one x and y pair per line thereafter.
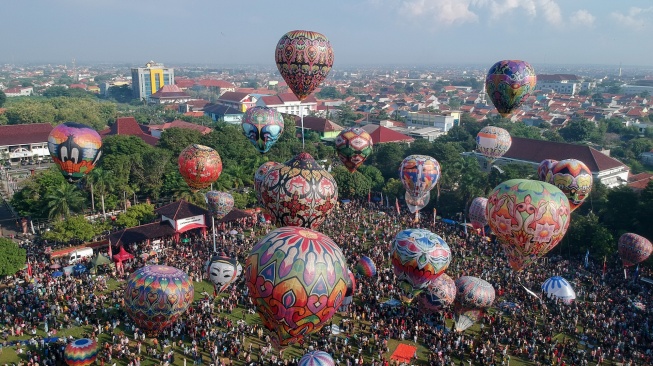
x,y
30,199
177,139
3,98
578,131
101,182
351,185
121,94
12,259
375,176
587,233
62,200
329,92
135,215
387,158
621,213
73,228
56,91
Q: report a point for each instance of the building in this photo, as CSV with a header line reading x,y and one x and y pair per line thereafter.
x,y
24,142
157,130
149,79
223,113
170,94
237,100
559,83
19,92
382,135
605,169
127,126
289,104
326,129
427,119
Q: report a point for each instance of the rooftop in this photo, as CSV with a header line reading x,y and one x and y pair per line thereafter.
x,y
24,134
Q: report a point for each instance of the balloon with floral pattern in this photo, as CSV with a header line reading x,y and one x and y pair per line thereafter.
x,y
438,294
529,218
75,148
296,279
259,175
634,249
200,166
419,174
262,126
508,83
574,179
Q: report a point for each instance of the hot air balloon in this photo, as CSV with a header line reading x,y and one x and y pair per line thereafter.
x,y
528,217
477,212
260,175
508,84
75,148
438,294
155,296
634,249
492,142
351,287
200,166
316,358
262,126
299,192
304,59
545,168
222,271
418,257
557,287
365,266
296,279
417,203
419,174
81,352
353,145
219,203
473,296
574,179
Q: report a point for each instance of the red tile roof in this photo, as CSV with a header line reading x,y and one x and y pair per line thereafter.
x,y
181,124
184,83
24,134
317,124
639,181
170,91
129,127
216,83
234,96
538,150
381,135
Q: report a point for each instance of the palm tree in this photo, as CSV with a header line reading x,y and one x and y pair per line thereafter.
x,y
100,181
63,200
240,175
183,192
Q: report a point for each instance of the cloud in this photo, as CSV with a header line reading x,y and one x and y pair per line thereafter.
x,y
445,12
551,11
582,17
634,18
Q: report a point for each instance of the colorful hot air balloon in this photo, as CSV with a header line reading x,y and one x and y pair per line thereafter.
x,y
75,148
419,174
417,203
477,212
262,126
544,170
219,203
557,287
574,179
260,175
353,145
508,84
528,217
222,271
304,59
351,287
81,352
316,358
438,294
200,166
473,296
418,257
296,279
492,142
634,249
155,296
365,266
299,192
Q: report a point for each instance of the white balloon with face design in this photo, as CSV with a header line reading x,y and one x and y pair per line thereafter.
x,y
222,272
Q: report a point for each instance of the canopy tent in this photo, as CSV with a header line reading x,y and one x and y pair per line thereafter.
x,y
142,233
233,215
122,256
100,260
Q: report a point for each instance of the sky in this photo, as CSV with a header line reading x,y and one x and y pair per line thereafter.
x,y
362,32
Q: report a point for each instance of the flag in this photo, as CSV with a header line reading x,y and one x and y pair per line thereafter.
x,y
397,206
110,254
387,201
369,196
29,269
636,274
604,268
381,198
465,226
587,258
434,212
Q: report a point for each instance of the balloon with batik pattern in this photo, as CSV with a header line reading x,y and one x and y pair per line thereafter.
x,y
259,175
529,218
508,83
75,148
493,142
353,145
262,126
419,174
304,59
544,170
438,294
473,297
296,279
574,179
634,249
219,203
200,166
477,214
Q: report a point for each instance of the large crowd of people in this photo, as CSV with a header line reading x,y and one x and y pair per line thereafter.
x,y
602,326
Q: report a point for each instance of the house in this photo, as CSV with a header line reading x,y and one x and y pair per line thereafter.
x,y
170,94
638,182
237,100
220,86
288,103
382,135
605,169
228,114
24,142
127,126
19,92
196,105
157,130
324,127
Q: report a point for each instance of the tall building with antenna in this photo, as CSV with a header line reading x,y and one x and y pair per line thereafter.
x,y
149,79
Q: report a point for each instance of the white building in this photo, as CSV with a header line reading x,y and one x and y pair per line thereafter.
x,y
24,142
559,83
289,104
636,89
19,91
426,119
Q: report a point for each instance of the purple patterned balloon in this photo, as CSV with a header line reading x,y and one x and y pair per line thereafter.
x,y
473,296
508,83
634,249
477,215
220,203
544,170
316,358
438,294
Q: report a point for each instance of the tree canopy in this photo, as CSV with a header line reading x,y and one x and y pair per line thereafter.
x,y
13,257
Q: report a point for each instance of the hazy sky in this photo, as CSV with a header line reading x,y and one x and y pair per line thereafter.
x,y
361,32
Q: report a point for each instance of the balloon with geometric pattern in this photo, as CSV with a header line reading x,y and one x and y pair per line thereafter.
x,y
81,352
366,267
316,358
304,59
75,148
574,179
299,192
493,142
545,168
200,166
473,296
353,145
438,294
477,212
262,126
296,280
156,296
219,203
634,249
508,83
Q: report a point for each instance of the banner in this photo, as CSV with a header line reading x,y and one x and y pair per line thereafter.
x,y
397,206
